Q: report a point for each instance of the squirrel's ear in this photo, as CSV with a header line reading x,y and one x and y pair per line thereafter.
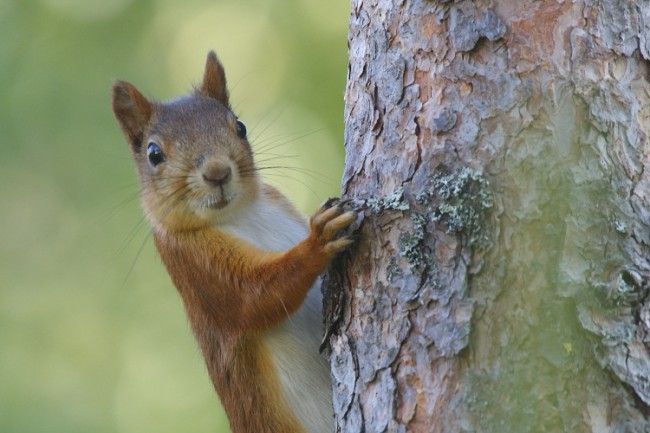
x,y
214,80
132,111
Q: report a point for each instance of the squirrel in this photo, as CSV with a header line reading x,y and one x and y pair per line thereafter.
x,y
245,262
243,259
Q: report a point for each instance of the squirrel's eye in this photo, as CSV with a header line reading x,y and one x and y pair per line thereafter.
x,y
154,154
241,129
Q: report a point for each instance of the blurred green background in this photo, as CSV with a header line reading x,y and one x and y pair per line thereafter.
x,y
93,336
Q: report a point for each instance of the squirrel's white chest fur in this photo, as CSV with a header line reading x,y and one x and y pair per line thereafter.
x,y
302,371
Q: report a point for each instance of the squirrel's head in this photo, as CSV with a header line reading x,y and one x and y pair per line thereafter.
x,y
195,163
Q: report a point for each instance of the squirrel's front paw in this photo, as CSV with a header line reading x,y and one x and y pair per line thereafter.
x,y
326,223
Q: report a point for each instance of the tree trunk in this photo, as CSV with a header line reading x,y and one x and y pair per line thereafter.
x,y
501,279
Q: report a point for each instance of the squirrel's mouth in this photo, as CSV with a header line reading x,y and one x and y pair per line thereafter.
x,y
216,203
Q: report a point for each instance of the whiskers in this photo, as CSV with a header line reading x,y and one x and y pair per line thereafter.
x,y
270,161
269,158
164,193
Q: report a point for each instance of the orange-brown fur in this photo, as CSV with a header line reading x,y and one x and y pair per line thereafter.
x,y
243,289
233,292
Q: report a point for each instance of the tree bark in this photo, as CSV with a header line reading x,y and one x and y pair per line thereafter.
x,y
500,284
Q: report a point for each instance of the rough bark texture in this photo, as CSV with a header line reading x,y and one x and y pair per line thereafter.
x,y
501,281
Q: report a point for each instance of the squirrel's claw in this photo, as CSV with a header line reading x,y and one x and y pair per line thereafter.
x,y
328,222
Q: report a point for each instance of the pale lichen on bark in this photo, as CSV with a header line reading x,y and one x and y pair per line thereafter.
x,y
502,276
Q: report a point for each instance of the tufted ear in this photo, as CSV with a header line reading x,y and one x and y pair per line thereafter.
x,y
132,110
214,80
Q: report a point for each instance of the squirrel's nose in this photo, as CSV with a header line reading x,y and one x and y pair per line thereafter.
x,y
217,174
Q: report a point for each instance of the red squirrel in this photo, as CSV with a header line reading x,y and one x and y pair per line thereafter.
x,y
243,259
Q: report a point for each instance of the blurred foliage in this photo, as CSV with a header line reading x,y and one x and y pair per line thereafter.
x,y
93,334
